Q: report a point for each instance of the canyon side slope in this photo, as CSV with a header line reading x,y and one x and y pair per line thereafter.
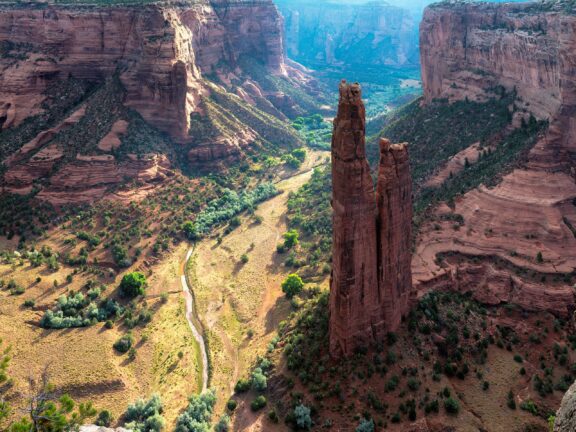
x,y
91,94
472,52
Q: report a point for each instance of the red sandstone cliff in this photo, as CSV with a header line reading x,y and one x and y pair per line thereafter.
x,y
354,296
159,51
394,198
371,279
467,50
161,55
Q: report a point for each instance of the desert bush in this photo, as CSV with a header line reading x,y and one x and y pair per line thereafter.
x,y
258,403
124,343
198,415
302,417
133,284
292,285
145,416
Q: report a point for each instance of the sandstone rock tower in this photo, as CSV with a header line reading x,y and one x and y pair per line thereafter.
x,y
371,278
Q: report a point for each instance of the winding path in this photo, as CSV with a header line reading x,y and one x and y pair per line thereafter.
x,y
190,317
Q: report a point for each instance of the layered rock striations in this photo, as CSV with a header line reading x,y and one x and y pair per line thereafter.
x,y
371,279
527,222
161,54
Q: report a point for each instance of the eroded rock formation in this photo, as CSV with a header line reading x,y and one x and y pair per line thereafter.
x,y
371,279
160,56
527,222
566,415
394,200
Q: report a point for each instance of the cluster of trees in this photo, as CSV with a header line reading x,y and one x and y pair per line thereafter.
x,y
82,310
145,415
228,206
316,132
198,415
78,310
295,158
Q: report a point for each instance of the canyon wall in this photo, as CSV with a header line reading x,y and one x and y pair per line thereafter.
x,y
339,34
520,233
159,52
371,278
202,74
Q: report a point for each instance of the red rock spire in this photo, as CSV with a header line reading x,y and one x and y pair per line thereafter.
x,y
371,277
394,200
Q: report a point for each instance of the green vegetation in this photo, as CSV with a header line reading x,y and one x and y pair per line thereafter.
x,y
309,211
449,128
302,417
295,158
258,403
79,310
316,132
292,285
365,426
124,344
145,416
61,100
198,414
225,208
46,409
133,284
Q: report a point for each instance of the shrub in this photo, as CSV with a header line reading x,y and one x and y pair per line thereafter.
x,y
133,284
302,417
231,404
145,416
223,424
259,381
300,154
242,386
258,403
120,255
367,425
413,384
273,416
244,258
124,344
530,407
104,418
198,414
292,285
29,303
290,239
451,406
223,209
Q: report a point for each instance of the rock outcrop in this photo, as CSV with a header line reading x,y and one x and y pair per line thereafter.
x,y
339,34
161,53
371,279
394,200
528,220
154,59
566,415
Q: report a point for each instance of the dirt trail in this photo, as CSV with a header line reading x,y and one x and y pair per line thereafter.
x,y
240,304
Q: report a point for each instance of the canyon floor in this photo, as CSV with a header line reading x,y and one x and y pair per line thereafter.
x,y
241,304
